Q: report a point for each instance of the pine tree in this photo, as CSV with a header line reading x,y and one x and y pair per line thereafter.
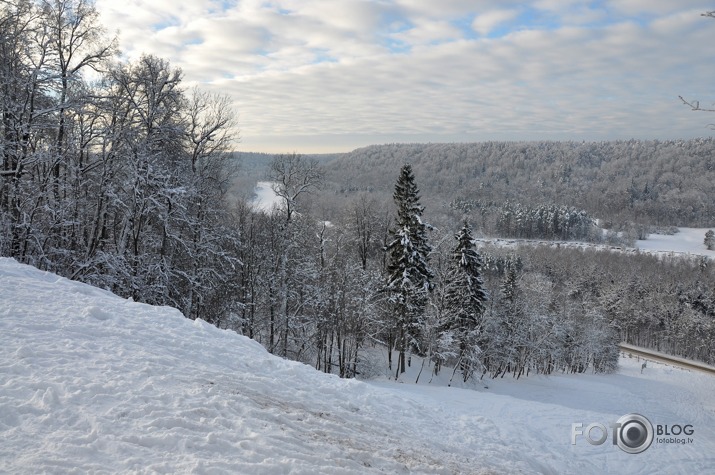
x,y
409,278
465,300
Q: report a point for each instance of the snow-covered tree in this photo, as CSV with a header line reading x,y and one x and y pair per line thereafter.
x,y
120,182
709,240
465,298
409,278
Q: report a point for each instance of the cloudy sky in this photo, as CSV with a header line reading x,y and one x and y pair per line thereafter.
x,y
333,75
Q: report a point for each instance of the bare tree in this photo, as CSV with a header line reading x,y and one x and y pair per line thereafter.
x,y
294,175
363,221
78,43
210,125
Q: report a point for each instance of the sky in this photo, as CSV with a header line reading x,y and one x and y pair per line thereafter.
x,y
315,76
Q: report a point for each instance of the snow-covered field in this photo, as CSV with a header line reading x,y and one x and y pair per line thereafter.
x,y
92,383
685,241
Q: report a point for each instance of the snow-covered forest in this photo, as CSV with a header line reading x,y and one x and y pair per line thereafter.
x,y
118,175
112,173
622,183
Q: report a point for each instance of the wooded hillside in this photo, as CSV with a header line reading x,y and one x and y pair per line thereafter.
x,y
660,183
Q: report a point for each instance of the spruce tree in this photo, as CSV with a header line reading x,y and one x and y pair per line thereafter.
x,y
465,299
409,278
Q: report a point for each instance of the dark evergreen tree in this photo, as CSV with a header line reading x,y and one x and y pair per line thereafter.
x,y
465,298
409,277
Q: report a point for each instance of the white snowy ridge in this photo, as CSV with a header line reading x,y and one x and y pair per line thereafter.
x,y
93,383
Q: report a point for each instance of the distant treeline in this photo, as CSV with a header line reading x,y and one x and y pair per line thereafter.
x,y
660,183
535,222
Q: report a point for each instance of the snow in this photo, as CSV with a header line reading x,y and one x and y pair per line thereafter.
x,y
92,383
685,241
265,198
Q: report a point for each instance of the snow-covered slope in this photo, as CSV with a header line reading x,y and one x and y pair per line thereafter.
x,y
92,383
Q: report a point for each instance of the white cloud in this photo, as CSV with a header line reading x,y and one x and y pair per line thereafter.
x,y
654,7
427,32
325,72
486,22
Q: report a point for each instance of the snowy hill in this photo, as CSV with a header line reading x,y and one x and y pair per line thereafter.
x,y
92,383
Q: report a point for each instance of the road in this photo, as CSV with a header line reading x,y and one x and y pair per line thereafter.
x,y
667,359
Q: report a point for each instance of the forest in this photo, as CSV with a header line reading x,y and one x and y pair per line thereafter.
x,y
116,174
652,183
